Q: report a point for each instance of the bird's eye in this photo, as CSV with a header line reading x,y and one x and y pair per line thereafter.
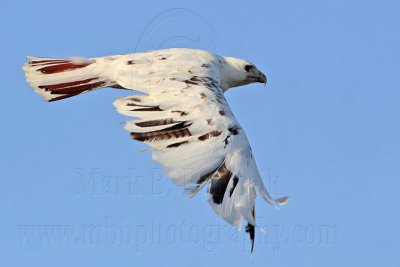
x,y
248,68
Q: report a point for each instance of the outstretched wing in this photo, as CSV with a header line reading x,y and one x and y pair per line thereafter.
x,y
185,119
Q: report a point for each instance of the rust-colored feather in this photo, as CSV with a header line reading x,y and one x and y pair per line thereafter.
x,y
62,67
177,131
78,88
51,87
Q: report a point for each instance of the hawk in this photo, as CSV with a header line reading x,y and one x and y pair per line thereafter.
x,y
181,114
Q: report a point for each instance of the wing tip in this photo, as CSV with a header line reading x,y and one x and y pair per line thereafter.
x,y
282,201
250,229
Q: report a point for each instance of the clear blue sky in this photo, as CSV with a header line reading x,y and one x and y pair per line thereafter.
x,y
325,131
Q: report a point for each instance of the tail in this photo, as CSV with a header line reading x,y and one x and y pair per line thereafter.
x,y
56,79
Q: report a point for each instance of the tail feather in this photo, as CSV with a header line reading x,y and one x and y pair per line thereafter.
x,y
57,79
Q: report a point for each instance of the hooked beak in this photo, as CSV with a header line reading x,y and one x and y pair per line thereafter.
x,y
262,78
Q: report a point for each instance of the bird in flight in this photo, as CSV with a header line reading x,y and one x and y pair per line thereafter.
x,y
181,114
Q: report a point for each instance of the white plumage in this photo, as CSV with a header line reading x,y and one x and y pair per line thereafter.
x,y
182,115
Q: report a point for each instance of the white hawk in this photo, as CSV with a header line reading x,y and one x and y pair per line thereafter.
x,y
182,115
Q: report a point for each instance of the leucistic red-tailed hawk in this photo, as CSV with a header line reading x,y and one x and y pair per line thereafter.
x,y
182,115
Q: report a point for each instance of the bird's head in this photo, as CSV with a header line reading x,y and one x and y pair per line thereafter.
x,y
236,72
